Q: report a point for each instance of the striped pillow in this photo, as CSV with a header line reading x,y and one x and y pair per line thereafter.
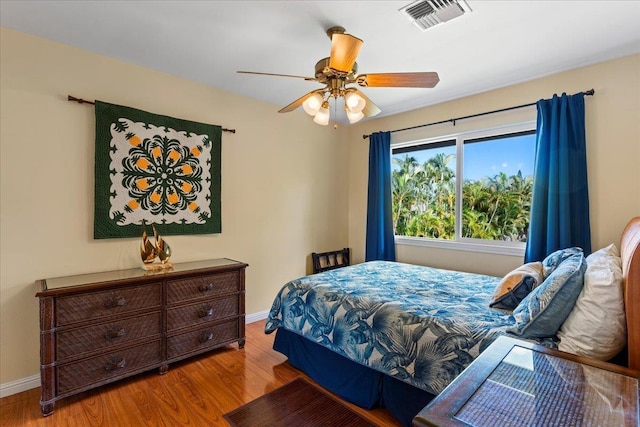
x,y
516,285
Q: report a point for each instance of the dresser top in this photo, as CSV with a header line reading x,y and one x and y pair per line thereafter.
x,y
133,274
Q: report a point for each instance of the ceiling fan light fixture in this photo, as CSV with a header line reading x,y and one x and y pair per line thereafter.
x,y
312,104
353,116
354,102
322,116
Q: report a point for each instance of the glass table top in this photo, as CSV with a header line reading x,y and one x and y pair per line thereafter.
x,y
529,388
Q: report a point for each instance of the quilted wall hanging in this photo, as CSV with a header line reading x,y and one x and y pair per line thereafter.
x,y
154,169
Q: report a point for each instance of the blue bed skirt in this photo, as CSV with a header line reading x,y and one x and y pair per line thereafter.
x,y
351,381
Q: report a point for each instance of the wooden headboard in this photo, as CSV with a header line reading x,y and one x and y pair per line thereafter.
x,y
630,253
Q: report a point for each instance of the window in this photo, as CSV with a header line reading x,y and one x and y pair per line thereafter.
x,y
470,190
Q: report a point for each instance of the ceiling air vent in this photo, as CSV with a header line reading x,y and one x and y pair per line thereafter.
x,y
427,13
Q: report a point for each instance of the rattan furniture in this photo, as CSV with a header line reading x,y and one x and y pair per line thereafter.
x,y
102,327
517,383
325,261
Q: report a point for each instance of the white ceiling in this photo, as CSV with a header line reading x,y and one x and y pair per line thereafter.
x,y
498,44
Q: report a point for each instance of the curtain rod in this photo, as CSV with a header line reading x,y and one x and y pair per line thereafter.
x,y
586,92
84,101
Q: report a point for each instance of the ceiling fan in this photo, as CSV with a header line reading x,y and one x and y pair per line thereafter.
x,y
340,70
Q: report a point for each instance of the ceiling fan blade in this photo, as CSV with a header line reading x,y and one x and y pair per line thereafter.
x,y
425,80
344,51
298,102
370,109
277,75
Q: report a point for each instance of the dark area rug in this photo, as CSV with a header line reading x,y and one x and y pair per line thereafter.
x,y
298,403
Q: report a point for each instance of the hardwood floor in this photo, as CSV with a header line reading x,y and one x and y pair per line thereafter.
x,y
196,392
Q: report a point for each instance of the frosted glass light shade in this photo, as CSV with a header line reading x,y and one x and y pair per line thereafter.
x,y
322,117
354,102
312,104
354,117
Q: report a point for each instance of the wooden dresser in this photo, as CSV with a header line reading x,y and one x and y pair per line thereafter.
x,y
99,328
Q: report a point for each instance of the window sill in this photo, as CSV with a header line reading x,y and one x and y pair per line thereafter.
x,y
504,248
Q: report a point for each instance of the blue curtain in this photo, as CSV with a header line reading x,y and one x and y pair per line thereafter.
x,y
380,240
560,201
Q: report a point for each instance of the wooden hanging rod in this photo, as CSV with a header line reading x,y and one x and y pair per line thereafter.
x,y
84,101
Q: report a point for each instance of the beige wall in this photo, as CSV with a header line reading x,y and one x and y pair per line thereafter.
x,y
279,181
613,153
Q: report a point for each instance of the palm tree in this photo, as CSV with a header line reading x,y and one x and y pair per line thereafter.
x,y
403,191
495,208
439,165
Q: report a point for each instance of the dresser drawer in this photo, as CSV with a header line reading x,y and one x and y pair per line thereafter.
x,y
76,341
108,366
202,286
93,305
202,338
202,312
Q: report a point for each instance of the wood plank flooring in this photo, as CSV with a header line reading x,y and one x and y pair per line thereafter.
x,y
196,392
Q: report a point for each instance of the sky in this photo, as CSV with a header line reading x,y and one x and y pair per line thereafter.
x,y
508,155
489,158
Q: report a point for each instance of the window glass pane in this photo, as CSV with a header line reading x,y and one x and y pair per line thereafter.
x,y
423,185
498,182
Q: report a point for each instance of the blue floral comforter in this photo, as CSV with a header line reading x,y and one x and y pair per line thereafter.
x,y
419,324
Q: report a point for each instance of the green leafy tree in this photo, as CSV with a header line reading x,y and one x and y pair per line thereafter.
x,y
493,208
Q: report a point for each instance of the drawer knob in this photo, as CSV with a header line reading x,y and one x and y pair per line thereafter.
x,y
206,288
116,363
206,336
115,333
115,301
205,312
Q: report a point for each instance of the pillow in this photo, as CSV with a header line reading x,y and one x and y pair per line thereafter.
x,y
541,313
596,327
553,260
608,254
516,285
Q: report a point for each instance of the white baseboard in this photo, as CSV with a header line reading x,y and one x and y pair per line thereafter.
x,y
18,386
254,317
24,384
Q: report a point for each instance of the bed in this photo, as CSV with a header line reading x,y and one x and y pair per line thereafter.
x,y
395,335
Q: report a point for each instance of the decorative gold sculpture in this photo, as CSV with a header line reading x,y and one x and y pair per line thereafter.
x,y
147,249
149,252
162,247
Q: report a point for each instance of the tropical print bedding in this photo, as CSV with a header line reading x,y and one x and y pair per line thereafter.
x,y
419,324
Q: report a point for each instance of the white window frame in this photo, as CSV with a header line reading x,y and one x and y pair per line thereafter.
x,y
467,244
